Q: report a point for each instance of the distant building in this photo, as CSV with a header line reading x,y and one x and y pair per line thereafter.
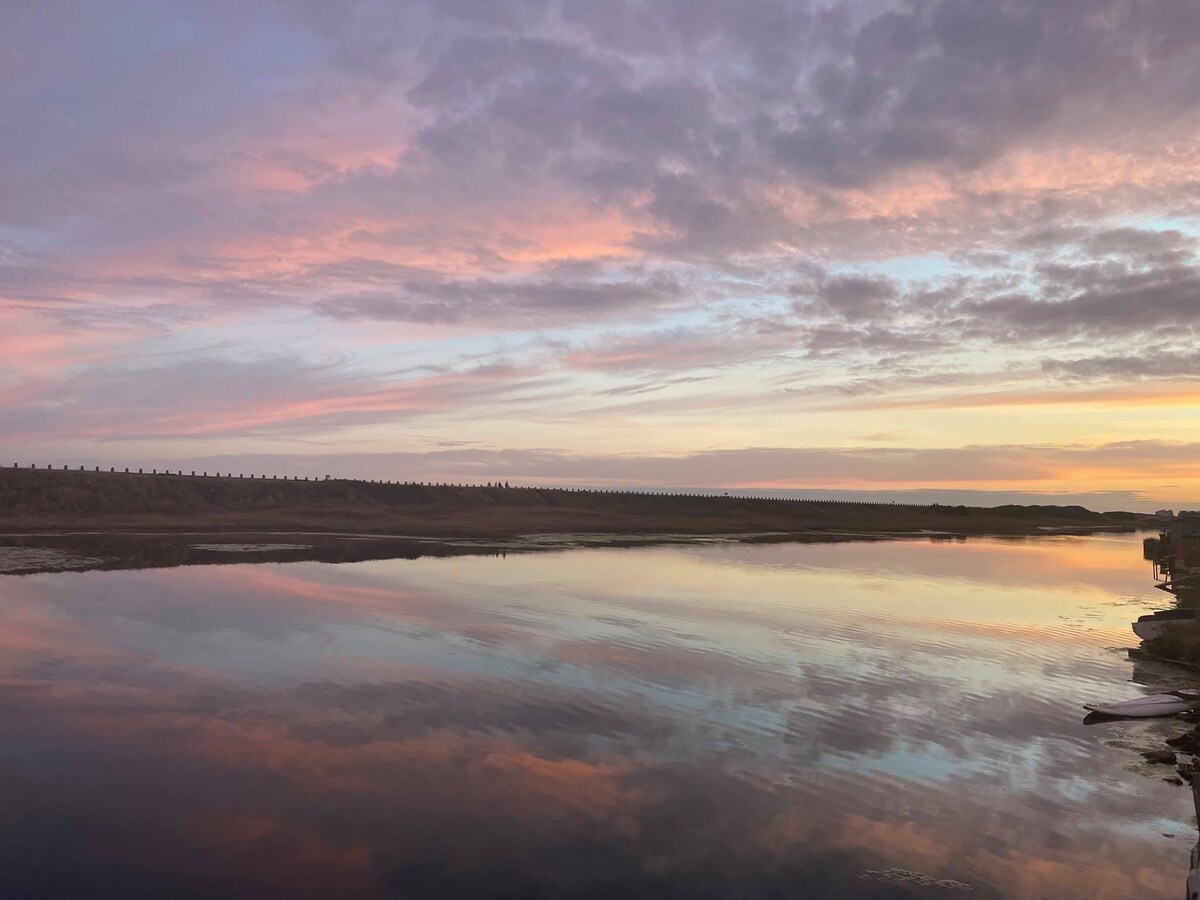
x,y
1165,514
1183,526
1184,543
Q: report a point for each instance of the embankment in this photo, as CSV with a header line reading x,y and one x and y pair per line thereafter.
x,y
33,500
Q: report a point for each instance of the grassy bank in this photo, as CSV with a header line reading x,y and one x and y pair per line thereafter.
x,y
47,500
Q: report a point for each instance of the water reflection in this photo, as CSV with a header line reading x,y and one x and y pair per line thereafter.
x,y
757,721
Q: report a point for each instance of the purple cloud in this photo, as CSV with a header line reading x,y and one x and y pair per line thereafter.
x,y
636,206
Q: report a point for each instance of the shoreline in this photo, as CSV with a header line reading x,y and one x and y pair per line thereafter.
x,y
113,520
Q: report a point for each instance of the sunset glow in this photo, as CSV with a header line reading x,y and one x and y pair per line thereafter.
x,y
839,245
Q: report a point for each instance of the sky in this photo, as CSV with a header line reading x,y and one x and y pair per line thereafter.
x,y
828,246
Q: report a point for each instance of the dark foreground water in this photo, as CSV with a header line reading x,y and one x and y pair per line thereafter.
x,y
853,720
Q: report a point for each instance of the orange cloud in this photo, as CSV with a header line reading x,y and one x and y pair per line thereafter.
x,y
1082,172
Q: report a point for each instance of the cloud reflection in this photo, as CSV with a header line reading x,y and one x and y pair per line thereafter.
x,y
316,729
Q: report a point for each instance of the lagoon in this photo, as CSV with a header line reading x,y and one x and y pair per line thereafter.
x,y
861,720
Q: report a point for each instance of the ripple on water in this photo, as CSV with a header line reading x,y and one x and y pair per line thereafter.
x,y
650,723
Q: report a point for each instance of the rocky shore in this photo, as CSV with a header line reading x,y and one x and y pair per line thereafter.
x,y
1182,752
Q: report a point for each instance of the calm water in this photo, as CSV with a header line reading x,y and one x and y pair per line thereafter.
x,y
721,721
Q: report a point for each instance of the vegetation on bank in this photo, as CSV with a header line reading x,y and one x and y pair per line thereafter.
x,y
42,499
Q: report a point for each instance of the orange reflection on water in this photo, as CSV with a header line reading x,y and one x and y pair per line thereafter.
x,y
776,719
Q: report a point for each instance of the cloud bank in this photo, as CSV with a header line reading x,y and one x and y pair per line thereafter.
x,y
622,229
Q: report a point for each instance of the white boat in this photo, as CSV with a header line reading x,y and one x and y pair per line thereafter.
x,y
1150,706
1155,625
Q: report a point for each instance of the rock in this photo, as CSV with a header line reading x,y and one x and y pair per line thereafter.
x,y
1160,757
1173,780
1188,742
